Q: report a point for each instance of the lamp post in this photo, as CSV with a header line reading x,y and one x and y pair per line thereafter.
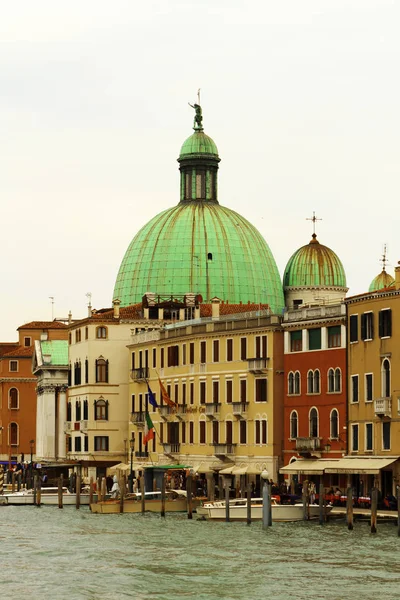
x,y
31,444
132,447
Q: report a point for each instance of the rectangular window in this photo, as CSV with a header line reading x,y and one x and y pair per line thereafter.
x,y
353,328
243,390
154,358
258,432
263,431
386,435
354,388
183,393
296,341
215,432
261,390
367,326
27,341
133,361
243,348
229,432
368,436
101,443
203,352
191,432
354,438
191,392
86,443
78,444
264,346
184,354
133,403
191,353
258,347
161,434
334,336
216,351
229,350
314,339
173,356
183,436
13,366
243,432
229,390
155,443
368,387
176,394
202,427
385,323
202,392
215,387
162,358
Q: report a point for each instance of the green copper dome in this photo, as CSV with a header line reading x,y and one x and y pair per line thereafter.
x,y
204,248
314,265
381,281
198,144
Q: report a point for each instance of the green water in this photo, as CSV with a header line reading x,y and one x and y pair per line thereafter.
x,y
47,553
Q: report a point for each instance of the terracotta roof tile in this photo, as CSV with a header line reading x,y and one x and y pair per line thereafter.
x,y
6,347
21,351
43,325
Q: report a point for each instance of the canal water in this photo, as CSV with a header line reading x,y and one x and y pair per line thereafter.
x,y
48,553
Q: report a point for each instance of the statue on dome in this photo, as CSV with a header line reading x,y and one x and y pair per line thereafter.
x,y
198,117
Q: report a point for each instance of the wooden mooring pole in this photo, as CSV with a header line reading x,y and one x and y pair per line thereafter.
x,y
306,515
374,509
142,496
349,509
122,490
227,517
39,491
60,492
163,496
13,483
189,496
35,482
78,490
1,479
398,510
321,501
249,504
103,488
91,491
98,489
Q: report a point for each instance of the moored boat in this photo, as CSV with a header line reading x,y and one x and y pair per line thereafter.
x,y
132,503
48,496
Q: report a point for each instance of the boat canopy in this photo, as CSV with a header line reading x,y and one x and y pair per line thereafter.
x,y
347,465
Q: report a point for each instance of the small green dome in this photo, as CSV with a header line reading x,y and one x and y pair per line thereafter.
x,y
198,144
314,265
204,248
381,281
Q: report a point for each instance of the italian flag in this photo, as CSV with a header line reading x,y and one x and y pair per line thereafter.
x,y
148,429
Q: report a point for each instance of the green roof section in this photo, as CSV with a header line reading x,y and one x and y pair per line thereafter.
x,y
314,265
57,350
198,144
204,248
381,281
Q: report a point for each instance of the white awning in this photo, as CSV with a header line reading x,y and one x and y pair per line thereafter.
x,y
360,466
309,467
227,470
203,468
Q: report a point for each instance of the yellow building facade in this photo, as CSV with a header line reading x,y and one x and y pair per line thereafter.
x,y
374,383
225,374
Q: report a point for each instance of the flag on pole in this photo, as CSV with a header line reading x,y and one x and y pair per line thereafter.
x,y
152,398
148,429
165,395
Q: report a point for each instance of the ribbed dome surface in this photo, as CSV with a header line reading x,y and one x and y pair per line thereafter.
x,y
314,265
198,144
204,248
381,281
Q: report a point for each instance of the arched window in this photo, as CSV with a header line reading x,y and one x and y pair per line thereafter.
x,y
313,423
334,424
316,382
310,382
291,383
297,382
294,425
338,380
386,378
101,333
85,410
331,380
14,434
69,412
101,370
101,410
13,399
78,411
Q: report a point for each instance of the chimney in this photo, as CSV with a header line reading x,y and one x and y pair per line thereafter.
x,y
397,276
69,317
215,308
116,304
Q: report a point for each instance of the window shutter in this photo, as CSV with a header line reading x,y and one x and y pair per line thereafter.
x,y
107,412
363,328
96,369
354,328
381,324
106,371
389,322
95,410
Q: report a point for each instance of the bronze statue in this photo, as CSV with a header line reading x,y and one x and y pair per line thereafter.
x,y
198,117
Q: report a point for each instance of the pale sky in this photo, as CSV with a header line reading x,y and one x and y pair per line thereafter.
x,y
301,97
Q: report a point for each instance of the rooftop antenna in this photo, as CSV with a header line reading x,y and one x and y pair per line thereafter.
x,y
52,307
384,259
314,219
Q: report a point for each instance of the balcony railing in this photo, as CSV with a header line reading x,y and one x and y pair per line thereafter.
x,y
239,409
171,448
140,375
257,365
166,411
306,444
224,449
212,409
137,418
141,454
180,410
383,407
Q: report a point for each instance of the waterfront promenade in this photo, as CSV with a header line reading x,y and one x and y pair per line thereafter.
x,y
71,554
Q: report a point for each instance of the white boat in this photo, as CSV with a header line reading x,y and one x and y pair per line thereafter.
x,y
174,502
49,495
238,510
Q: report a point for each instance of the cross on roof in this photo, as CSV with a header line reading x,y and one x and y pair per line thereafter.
x,y
384,259
314,219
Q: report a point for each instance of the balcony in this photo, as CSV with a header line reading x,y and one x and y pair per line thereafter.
x,y
257,365
212,409
308,444
224,449
166,411
239,409
141,454
137,418
171,448
84,425
383,407
140,375
67,426
180,411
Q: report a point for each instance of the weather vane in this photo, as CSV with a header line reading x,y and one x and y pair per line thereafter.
x,y
314,219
